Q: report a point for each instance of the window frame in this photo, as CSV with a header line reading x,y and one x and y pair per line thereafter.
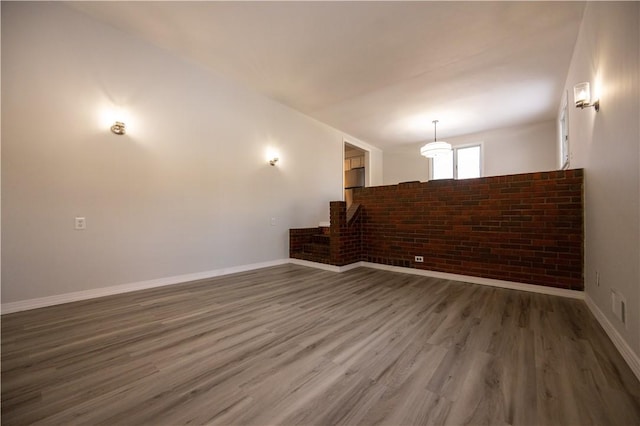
x,y
455,160
563,133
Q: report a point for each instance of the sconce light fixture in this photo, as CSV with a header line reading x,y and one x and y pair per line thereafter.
x,y
118,128
435,148
582,96
273,161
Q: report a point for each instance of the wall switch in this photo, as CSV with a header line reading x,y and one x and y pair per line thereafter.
x,y
419,259
80,223
273,221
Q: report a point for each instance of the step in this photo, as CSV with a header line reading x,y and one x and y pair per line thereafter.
x,y
311,257
317,249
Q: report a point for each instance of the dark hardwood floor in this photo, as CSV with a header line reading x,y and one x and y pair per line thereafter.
x,y
295,345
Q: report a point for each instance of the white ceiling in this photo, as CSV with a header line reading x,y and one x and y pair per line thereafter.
x,y
380,71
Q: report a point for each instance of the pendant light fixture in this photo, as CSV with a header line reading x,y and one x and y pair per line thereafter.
x,y
435,148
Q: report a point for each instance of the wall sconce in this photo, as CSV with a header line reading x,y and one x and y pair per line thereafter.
x,y
582,96
118,128
273,161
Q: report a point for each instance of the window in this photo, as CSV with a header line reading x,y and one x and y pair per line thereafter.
x,y
461,163
564,135
442,166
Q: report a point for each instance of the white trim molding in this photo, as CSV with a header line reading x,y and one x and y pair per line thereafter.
x,y
324,266
41,302
553,291
623,347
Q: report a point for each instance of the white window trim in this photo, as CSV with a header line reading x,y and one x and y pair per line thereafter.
x,y
455,159
563,114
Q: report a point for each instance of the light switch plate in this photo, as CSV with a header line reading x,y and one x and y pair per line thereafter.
x,y
80,224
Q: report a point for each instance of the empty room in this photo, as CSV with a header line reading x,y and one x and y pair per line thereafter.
x,y
318,213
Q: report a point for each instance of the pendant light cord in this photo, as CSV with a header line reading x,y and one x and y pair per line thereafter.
x,y
435,135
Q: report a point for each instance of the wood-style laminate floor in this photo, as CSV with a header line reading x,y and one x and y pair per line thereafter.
x,y
295,345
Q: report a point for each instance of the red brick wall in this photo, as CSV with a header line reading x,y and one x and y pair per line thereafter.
x,y
346,236
526,228
299,239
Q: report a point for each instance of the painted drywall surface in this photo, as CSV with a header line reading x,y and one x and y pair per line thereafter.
x,y
512,150
376,163
607,144
405,165
187,189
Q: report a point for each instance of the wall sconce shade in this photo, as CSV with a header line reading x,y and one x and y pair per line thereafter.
x,y
582,96
273,161
118,128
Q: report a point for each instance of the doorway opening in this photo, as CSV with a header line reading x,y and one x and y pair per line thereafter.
x,y
356,166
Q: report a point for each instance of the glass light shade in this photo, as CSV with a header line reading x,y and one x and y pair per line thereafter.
x,y
582,94
434,149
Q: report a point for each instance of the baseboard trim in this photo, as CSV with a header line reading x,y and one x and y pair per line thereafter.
x,y
511,285
316,265
553,291
24,305
41,302
324,266
623,347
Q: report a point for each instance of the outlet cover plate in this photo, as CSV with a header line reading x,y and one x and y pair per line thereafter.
x,y
80,224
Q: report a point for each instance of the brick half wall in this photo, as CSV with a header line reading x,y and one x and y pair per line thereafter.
x,y
346,235
525,228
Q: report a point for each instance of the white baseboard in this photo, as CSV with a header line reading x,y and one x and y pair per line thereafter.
x,y
324,266
41,302
553,291
24,305
310,264
574,294
623,347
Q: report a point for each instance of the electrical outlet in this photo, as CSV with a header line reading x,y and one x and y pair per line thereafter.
x,y
619,306
80,224
419,259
